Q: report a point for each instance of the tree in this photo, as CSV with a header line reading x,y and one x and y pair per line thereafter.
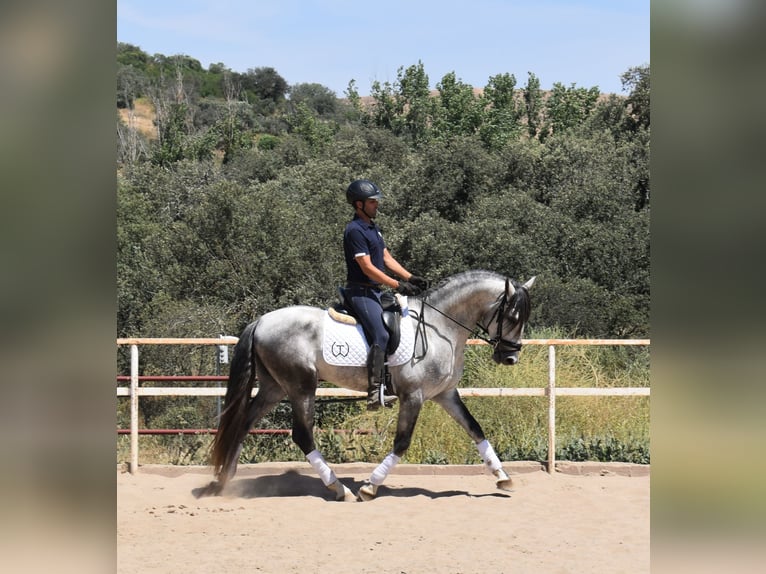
x,y
457,110
568,107
414,103
131,83
177,137
385,111
406,107
318,98
638,80
609,115
234,126
316,133
533,107
450,176
502,113
266,87
354,111
130,55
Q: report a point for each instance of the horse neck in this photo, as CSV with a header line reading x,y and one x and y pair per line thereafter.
x,y
469,301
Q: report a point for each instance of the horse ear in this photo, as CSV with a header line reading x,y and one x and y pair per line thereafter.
x,y
509,288
529,283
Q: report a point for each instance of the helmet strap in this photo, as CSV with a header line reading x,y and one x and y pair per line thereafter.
x,y
363,210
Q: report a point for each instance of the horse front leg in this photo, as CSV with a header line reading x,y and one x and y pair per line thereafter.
x,y
303,436
409,410
454,405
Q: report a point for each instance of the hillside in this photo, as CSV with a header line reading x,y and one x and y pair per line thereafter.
x,y
141,118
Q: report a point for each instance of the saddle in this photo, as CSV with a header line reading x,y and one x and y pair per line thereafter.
x,y
343,312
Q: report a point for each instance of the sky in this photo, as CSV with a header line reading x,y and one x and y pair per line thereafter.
x,y
331,42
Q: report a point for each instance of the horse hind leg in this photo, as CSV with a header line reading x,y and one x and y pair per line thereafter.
x,y
268,396
409,411
303,436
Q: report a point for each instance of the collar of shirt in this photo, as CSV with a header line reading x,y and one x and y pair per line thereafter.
x,y
362,222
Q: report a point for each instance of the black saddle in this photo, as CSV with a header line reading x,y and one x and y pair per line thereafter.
x,y
392,316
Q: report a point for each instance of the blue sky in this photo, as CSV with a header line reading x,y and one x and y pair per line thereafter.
x,y
330,42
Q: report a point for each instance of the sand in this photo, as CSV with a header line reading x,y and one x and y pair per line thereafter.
x,y
279,518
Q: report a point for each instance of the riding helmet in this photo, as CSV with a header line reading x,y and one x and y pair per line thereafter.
x,y
361,190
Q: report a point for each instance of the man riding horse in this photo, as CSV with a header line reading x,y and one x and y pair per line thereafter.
x,y
367,262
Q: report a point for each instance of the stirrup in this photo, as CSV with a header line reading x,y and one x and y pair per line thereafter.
x,y
378,398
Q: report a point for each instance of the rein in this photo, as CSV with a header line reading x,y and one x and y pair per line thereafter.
x,y
477,333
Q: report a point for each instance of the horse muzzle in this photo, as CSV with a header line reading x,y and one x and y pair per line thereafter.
x,y
505,357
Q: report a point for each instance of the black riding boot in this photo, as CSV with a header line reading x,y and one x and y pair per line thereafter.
x,y
376,379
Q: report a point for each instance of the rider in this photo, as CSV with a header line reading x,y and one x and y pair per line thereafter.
x,y
367,259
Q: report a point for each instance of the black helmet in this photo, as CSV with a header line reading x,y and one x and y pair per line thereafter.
x,y
362,189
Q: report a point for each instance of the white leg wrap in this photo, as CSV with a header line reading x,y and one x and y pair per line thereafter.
x,y
488,455
381,472
317,461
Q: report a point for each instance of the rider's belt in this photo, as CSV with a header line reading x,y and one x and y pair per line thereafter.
x,y
366,285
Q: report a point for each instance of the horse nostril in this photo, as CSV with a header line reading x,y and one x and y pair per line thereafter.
x,y
512,360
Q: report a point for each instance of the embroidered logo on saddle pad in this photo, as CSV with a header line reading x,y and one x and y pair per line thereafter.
x,y
346,346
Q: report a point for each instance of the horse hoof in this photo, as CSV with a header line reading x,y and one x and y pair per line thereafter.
x,y
342,492
504,482
212,489
367,492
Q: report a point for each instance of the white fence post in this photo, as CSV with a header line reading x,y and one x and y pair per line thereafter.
x,y
133,409
551,409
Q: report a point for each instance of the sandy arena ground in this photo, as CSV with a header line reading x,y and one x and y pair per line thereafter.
x,y
279,518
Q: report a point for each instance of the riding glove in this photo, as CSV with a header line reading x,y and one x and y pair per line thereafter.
x,y
407,288
418,282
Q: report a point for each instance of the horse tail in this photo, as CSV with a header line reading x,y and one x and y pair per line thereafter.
x,y
236,402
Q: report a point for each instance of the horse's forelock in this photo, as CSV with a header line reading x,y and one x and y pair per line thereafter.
x,y
520,302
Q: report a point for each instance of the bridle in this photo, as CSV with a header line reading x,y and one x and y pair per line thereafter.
x,y
497,342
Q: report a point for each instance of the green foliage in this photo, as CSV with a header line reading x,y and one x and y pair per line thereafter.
x,y
458,112
637,80
266,85
320,100
503,112
316,133
569,107
238,208
534,108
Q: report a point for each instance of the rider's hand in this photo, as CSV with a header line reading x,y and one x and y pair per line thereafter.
x,y
418,282
407,288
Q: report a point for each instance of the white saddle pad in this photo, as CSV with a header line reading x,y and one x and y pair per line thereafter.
x,y
346,346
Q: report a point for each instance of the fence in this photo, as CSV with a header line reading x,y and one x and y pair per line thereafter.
x,y
551,391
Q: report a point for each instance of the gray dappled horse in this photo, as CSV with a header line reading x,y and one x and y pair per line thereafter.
x,y
282,352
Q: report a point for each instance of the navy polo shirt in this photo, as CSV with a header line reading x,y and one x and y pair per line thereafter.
x,y
361,238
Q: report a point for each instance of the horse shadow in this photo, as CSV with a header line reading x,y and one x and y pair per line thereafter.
x,y
292,483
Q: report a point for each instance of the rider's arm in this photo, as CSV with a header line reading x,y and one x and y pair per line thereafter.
x,y
365,263
394,266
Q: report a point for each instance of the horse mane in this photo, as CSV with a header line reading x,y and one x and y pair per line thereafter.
x,y
464,277
520,301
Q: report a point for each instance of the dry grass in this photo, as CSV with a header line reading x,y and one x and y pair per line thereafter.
x,y
140,118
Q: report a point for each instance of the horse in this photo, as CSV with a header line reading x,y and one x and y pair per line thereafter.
x,y
282,352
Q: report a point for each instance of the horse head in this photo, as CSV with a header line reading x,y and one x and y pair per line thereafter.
x,y
509,316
